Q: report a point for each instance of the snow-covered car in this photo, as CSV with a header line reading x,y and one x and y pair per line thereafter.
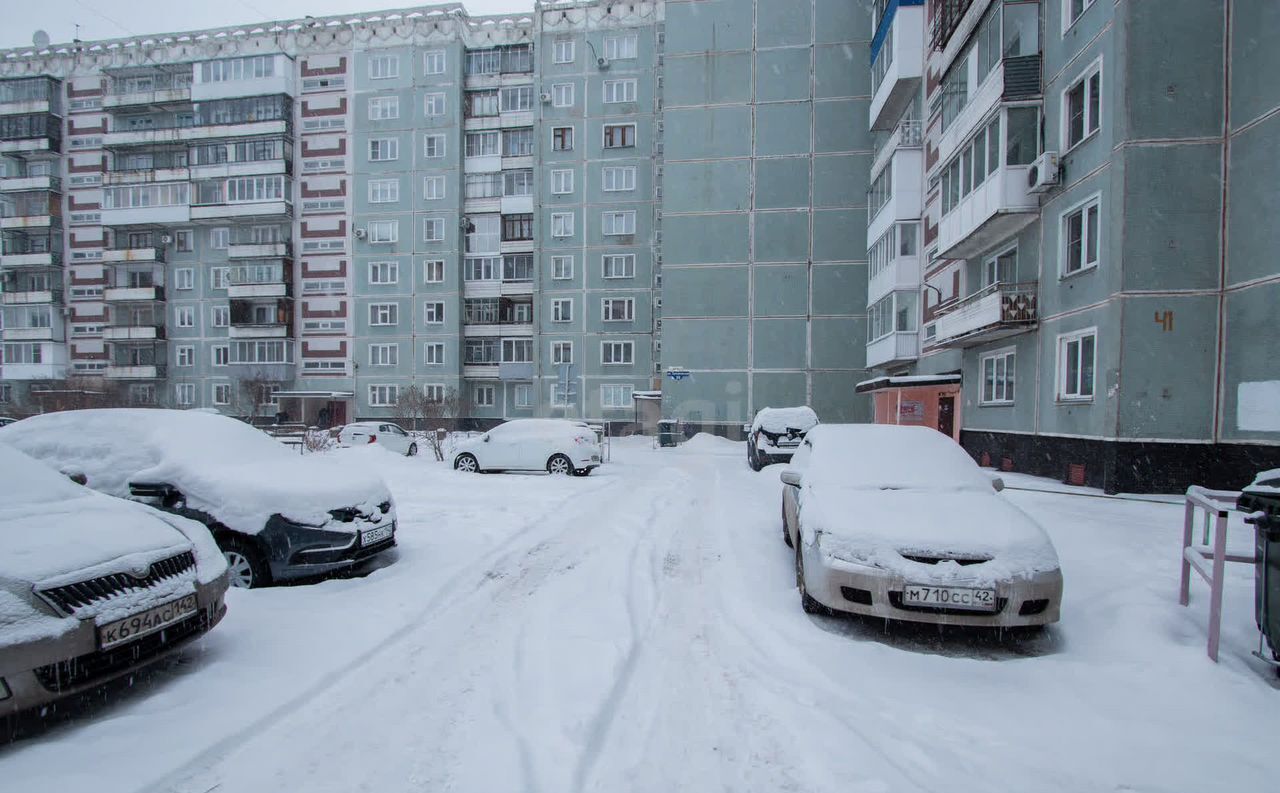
x,y
557,446
6,420
275,514
92,587
900,522
385,433
776,433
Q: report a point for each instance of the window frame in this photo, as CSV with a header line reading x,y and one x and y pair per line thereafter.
x,y
376,239
629,85
629,271
389,267
384,314
556,51
433,312
626,389
491,400
613,41
431,56
1064,244
606,309
618,344
614,214
557,350
389,108
184,317
994,259
1064,340
384,354
556,261
620,125
187,351
559,176
383,191
562,134
562,225
1003,382
431,267
434,104
1091,124
392,144
562,94
559,314
434,141
427,348
389,60
1068,21
625,170
433,223
389,390
434,188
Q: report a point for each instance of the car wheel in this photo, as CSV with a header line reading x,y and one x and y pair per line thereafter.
x,y
467,463
807,603
753,459
786,535
245,566
413,450
559,464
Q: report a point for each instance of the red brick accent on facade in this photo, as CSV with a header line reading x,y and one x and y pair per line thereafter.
x,y
311,151
311,112
341,68
96,242
73,129
74,205
84,92
93,167
76,352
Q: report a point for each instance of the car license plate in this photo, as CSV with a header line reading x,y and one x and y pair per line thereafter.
x,y
375,535
144,622
944,597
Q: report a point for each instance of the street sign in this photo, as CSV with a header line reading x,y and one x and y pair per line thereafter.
x,y
678,373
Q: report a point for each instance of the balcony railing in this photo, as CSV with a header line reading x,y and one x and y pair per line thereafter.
x,y
946,20
135,251
996,311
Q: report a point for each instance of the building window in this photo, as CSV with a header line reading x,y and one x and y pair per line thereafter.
x,y
618,223
218,277
517,183
221,354
1001,268
481,103
516,99
562,181
517,142
562,224
384,149
1076,353
615,396
1072,10
184,278
523,396
482,352
433,271
617,352
482,268
619,265
384,272
434,392
517,227
384,191
1081,106
384,354
384,108
619,136
482,396
562,95
383,396
433,312
561,268
433,353
618,309
185,355
562,138
618,178
561,352
616,91
1080,237
997,378
517,350
185,317
483,144
220,316
384,314
484,233
880,192
433,62
563,52
621,47
218,238
384,231
561,395
433,229
433,105
432,188
183,241
562,310
222,393
433,146
382,67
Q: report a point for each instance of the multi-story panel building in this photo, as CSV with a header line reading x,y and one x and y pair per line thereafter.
x,y
1093,282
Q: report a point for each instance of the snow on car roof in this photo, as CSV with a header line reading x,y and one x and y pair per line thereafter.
x,y
223,466
886,456
1266,482
778,420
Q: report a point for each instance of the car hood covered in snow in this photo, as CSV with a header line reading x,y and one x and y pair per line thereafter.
x,y
222,466
779,421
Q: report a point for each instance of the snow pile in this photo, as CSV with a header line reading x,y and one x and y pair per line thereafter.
x,y
779,421
1266,482
706,442
221,465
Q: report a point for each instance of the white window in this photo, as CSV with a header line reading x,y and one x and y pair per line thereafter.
x,y
222,393
1080,236
433,105
562,310
434,392
218,238
561,396
562,181
432,188
221,316
433,229
185,317
384,354
523,396
482,268
433,271
183,241
613,396
384,272
185,355
184,278
619,265
618,223
384,149
433,312
561,268
383,396
997,378
1076,355
1073,10
617,178
562,224
384,108
621,47
561,352
483,144
617,352
382,67
384,231
516,98
1082,106
433,62
616,91
619,136
433,146
384,313
617,309
483,396
563,51
219,277
562,94
1001,268
433,353
221,354
562,138
384,191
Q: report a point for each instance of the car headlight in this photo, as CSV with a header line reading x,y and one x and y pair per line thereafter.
x,y
843,550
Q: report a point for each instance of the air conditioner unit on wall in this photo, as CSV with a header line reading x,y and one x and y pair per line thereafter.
x,y
1044,173
545,97
602,63
359,233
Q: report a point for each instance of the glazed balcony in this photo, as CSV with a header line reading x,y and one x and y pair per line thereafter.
x,y
30,184
18,292
134,252
135,328
37,361
902,179
38,133
29,210
260,279
19,249
999,310
143,371
158,87
33,322
261,319
134,284
895,347
897,62
30,95
228,118
250,244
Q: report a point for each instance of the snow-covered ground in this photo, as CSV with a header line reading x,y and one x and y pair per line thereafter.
x,y
639,630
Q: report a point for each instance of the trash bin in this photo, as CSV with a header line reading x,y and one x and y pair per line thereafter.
x,y
1262,500
668,431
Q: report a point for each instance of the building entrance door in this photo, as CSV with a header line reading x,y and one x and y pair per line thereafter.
x,y
947,415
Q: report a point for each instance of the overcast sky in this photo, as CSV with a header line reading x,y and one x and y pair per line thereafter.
x,y
109,19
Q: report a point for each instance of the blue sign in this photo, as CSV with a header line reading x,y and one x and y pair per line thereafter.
x,y
678,374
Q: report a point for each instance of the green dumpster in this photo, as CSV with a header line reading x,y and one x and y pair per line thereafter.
x,y
667,432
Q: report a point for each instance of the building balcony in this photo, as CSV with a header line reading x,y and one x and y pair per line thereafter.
x,y
897,63
133,294
27,221
48,370
36,133
25,259
480,371
161,135
261,319
515,371
516,204
140,331
30,297
122,175
481,328
909,134
30,95
148,253
259,280
30,184
157,97
259,209
994,211
259,250
134,371
266,330
1012,79
900,274
55,331
906,201
146,216
894,347
516,288
995,312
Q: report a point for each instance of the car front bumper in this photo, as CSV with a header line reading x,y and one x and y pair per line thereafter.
x,y
42,672
845,586
298,563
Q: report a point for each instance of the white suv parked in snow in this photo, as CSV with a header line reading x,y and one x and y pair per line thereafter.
x,y
557,446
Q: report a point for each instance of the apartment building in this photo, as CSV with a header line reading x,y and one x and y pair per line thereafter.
x,y
1090,295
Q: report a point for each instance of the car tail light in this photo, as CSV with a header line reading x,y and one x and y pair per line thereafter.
x,y
372,438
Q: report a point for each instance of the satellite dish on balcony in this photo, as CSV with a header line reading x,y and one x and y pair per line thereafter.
x,y
40,39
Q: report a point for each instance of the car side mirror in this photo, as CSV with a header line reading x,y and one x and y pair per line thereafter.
x,y
485,439
790,476
997,483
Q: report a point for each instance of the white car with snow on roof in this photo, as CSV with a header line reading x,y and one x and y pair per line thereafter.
x,y
557,446
91,587
776,433
392,436
275,514
900,523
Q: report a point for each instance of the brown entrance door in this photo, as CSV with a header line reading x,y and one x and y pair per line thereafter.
x,y
947,415
337,413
